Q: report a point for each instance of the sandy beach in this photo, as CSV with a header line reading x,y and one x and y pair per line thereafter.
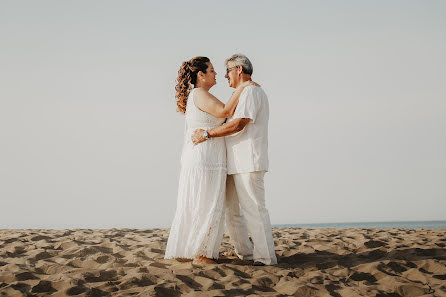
x,y
312,262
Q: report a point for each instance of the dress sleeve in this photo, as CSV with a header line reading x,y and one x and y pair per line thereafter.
x,y
247,105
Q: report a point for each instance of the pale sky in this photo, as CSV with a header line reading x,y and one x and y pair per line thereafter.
x,y
90,136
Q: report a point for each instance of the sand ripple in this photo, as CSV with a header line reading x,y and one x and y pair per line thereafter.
x,y
312,262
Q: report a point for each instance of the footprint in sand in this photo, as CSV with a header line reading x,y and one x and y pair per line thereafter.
x,y
76,290
394,269
363,276
93,250
104,275
144,281
411,290
18,252
43,287
213,273
25,276
374,244
103,259
440,276
11,240
41,237
42,256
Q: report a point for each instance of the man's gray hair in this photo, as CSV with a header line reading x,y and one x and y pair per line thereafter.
x,y
241,60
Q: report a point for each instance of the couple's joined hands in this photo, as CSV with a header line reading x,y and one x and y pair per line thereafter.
x,y
198,135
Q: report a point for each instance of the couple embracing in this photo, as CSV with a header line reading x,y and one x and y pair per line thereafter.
x,y
223,163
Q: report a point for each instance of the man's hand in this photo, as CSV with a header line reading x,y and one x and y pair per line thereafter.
x,y
197,136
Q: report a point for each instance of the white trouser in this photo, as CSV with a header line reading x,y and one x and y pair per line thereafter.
x,y
246,191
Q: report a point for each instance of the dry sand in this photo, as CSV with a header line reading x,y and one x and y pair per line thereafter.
x,y
312,262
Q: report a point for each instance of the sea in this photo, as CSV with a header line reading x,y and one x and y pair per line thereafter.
x,y
369,225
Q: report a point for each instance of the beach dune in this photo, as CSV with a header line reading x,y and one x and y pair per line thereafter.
x,y
312,262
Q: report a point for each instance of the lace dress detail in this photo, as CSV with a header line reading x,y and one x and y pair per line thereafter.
x,y
197,228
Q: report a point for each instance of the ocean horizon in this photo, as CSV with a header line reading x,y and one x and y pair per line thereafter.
x,y
344,225
367,225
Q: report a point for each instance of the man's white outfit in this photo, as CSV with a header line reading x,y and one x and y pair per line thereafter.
x,y
247,162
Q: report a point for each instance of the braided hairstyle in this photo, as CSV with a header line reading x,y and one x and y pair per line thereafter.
x,y
187,76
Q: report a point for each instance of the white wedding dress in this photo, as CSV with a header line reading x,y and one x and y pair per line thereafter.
x,y
197,228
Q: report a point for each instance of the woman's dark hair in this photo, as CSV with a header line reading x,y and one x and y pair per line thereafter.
x,y
187,76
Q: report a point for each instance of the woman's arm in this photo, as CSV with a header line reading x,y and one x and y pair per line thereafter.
x,y
207,102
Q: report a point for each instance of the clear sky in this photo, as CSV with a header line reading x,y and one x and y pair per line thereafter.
x,y
90,136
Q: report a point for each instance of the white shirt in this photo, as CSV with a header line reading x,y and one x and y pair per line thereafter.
x,y
247,150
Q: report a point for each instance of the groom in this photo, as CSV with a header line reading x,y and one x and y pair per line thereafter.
x,y
247,161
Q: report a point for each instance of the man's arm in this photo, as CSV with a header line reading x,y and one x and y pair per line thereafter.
x,y
230,128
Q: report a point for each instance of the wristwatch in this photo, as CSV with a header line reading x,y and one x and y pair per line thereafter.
x,y
206,135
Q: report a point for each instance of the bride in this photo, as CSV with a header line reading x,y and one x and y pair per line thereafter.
x,y
197,228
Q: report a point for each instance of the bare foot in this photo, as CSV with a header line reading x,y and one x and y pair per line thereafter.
x,y
230,253
200,260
